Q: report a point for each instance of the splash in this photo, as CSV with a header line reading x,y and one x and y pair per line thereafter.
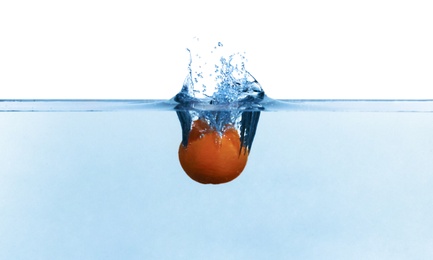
x,y
218,78
219,90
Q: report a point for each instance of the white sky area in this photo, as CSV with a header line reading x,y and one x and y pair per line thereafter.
x,y
137,49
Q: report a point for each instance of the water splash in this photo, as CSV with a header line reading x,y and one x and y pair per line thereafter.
x,y
219,90
218,77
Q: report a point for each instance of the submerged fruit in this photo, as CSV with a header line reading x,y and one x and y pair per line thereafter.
x,y
210,157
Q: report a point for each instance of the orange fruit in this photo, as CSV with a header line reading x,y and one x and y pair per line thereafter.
x,y
210,157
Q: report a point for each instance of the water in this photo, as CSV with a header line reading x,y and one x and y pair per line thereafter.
x,y
327,179
319,184
218,76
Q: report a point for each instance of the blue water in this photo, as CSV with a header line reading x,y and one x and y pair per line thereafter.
x,y
324,180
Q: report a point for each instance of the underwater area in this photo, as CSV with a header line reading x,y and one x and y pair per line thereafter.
x,y
324,180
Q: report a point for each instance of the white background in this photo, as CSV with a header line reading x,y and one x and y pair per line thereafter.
x,y
136,49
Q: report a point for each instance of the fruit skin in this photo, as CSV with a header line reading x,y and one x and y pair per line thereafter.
x,y
211,158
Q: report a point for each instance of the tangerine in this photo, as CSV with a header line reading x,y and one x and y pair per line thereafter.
x,y
210,157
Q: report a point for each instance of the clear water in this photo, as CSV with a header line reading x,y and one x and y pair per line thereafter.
x,y
324,180
327,179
